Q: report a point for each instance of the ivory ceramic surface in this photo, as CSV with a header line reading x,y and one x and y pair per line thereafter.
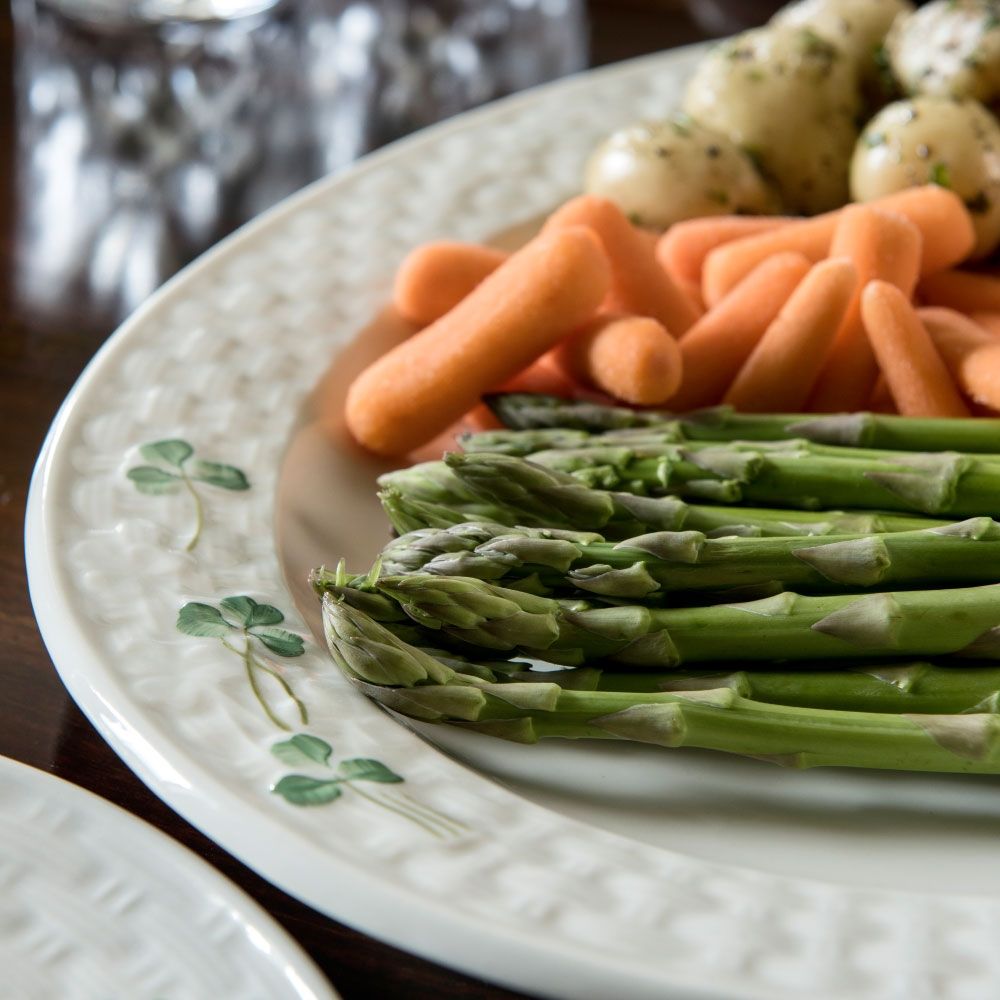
x,y
95,903
185,491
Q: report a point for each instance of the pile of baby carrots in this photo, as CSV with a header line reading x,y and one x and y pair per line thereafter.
x,y
860,308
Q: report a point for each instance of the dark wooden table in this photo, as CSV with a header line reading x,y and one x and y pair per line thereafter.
x,y
43,348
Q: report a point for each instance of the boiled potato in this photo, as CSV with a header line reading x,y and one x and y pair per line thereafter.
x,y
856,26
934,140
950,48
789,98
662,172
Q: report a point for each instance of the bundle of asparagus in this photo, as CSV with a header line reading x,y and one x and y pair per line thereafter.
x,y
567,540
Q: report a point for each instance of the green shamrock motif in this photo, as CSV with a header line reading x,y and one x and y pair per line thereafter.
x,y
173,467
304,750
257,623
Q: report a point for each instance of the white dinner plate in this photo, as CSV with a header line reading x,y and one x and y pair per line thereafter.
x,y
95,904
186,476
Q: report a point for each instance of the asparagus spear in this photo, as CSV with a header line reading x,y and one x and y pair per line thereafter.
x,y
786,626
799,474
418,684
944,686
523,492
651,565
525,411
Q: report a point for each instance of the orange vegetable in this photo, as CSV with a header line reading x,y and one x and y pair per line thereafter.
x,y
782,368
883,245
714,349
682,249
971,353
881,400
940,215
631,358
436,276
731,262
989,321
545,376
639,285
918,378
544,291
965,291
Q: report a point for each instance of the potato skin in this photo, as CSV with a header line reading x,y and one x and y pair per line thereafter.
x,y
855,26
934,140
790,98
949,48
663,172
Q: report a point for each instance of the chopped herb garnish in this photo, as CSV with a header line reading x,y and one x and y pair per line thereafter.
x,y
873,139
816,45
979,204
681,124
940,175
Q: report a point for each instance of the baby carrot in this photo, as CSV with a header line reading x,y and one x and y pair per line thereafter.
x,y
631,358
544,376
989,321
940,215
954,334
881,400
436,276
714,349
639,285
918,378
971,353
965,291
682,249
783,366
545,290
883,245
731,262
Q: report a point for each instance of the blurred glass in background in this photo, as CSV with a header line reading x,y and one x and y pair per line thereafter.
x,y
147,129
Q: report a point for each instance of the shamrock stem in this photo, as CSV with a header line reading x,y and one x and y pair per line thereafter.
x,y
287,688
199,512
246,655
398,810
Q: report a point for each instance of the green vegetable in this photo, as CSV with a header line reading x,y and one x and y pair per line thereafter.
x,y
648,566
785,626
796,473
943,686
519,492
526,411
415,683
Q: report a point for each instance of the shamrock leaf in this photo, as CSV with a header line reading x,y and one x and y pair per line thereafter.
x,y
280,640
201,620
301,790
149,479
365,769
249,612
228,477
174,452
303,749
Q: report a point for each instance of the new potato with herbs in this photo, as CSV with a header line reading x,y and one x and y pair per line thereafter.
x,y
662,172
791,99
952,143
949,48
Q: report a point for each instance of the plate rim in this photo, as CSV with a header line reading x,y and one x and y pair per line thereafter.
x,y
241,907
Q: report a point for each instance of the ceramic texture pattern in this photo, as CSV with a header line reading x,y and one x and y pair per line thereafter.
x,y
95,904
223,359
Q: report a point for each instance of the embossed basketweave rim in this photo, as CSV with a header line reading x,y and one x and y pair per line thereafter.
x,y
130,875
223,357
